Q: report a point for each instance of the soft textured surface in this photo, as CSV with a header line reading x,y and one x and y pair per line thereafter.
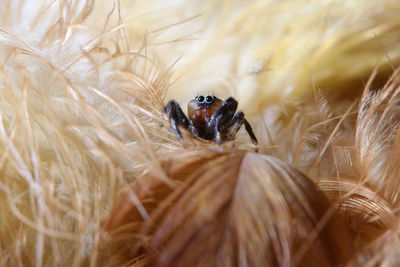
x,y
82,84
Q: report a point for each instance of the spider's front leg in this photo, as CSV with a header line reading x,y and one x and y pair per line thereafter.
x,y
227,123
237,121
223,117
178,118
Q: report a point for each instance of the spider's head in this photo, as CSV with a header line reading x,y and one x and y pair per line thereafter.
x,y
202,107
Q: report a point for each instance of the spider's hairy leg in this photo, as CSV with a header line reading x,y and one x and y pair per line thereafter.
x,y
223,117
229,123
249,130
178,118
233,127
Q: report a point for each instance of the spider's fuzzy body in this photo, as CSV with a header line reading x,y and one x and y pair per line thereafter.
x,y
201,116
210,118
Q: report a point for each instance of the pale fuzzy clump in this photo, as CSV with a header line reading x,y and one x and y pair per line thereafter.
x,y
348,155
82,84
75,119
314,136
259,51
377,138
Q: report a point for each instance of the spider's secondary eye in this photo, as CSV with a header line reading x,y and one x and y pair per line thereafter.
x,y
200,99
209,99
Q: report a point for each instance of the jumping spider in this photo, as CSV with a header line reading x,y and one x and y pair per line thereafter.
x,y
210,118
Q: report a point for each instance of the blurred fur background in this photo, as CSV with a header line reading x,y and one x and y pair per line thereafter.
x,y
91,175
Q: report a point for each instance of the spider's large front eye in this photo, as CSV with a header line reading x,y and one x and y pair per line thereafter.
x,y
200,99
209,99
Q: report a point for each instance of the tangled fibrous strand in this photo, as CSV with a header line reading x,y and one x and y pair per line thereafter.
x,y
377,139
